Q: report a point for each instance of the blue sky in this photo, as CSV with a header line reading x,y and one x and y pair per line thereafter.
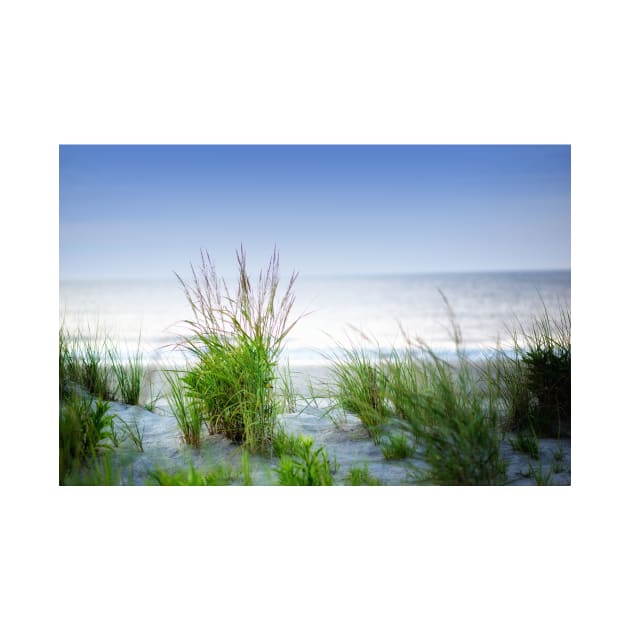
x,y
145,211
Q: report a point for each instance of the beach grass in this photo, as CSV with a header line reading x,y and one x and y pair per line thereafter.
x,y
94,370
541,477
440,407
83,361
283,443
307,467
215,475
458,430
286,395
133,432
532,379
184,407
235,339
245,469
454,414
128,375
360,476
102,470
526,442
86,430
396,446
359,388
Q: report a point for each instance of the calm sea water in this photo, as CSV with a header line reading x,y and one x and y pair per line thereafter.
x,y
486,306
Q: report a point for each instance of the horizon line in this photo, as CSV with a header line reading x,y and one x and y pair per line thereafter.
x,y
331,275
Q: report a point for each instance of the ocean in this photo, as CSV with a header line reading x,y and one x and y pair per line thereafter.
x,y
487,306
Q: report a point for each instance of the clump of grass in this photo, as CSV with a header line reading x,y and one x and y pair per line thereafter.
x,y
532,380
284,443
94,371
396,446
235,340
505,376
99,471
359,388
129,375
447,411
217,475
402,375
458,430
526,442
82,360
86,430
308,467
547,360
185,408
360,476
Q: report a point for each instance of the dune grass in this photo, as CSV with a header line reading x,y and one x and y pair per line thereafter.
x,y
439,407
133,432
64,364
86,430
102,470
90,360
94,372
184,407
436,406
286,396
235,339
360,476
307,467
396,446
411,401
216,475
359,388
283,443
532,379
83,361
541,477
456,426
129,375
527,443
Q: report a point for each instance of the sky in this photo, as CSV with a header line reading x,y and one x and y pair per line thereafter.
x,y
146,211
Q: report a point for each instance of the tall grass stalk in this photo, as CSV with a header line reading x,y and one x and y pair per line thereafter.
x,y
129,375
151,403
134,433
184,407
245,468
285,391
235,339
